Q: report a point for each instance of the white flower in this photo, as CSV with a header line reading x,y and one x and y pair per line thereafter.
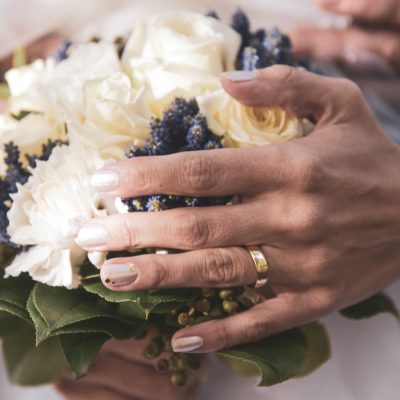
x,y
180,54
116,115
54,94
47,213
244,126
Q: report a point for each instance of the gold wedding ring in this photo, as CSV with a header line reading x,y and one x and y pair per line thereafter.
x,y
261,264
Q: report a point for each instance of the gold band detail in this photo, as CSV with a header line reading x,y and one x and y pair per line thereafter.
x,y
261,264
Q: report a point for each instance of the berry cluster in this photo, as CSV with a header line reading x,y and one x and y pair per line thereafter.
x,y
210,304
182,128
15,174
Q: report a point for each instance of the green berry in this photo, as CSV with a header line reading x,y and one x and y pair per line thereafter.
x,y
227,294
182,363
183,319
230,306
217,312
173,363
154,349
178,378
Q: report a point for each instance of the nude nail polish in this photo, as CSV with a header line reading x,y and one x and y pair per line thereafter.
x,y
187,344
240,76
91,236
118,275
105,180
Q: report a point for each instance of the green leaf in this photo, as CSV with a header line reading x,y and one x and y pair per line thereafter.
x,y
318,347
14,293
7,253
19,57
377,304
30,365
4,91
277,358
16,290
95,286
9,324
57,311
80,350
14,310
41,326
150,301
61,307
111,327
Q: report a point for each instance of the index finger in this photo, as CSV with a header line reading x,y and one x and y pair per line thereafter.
x,y
198,173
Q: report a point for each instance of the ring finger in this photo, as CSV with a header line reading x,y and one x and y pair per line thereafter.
x,y
220,267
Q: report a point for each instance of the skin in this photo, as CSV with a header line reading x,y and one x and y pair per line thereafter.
x,y
324,209
120,372
373,38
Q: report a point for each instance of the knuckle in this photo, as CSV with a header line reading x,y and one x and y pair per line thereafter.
x,y
325,300
130,239
350,91
308,167
218,269
283,73
305,221
197,173
156,275
193,231
256,328
225,338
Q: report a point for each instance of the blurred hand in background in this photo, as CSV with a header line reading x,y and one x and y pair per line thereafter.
x,y
373,36
121,372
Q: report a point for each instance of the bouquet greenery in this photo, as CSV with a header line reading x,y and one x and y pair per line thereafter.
x,y
156,92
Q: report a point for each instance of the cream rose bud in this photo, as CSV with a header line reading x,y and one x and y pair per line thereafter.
x,y
244,126
184,38
47,212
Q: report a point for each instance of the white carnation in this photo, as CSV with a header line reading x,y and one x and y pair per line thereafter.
x,y
47,212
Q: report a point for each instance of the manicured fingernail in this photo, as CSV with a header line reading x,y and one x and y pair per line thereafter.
x,y
118,275
240,76
187,344
105,180
91,236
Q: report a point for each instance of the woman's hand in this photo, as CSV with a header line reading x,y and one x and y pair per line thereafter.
x,y
120,372
374,37
325,210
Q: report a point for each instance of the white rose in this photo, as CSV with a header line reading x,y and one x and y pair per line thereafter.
x,y
116,115
47,212
244,126
53,93
180,54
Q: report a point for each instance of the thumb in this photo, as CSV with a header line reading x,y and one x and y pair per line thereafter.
x,y
298,91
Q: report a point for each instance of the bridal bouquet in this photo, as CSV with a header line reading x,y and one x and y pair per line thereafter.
x,y
156,92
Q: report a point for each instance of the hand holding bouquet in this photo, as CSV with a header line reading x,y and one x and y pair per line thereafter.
x,y
155,95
